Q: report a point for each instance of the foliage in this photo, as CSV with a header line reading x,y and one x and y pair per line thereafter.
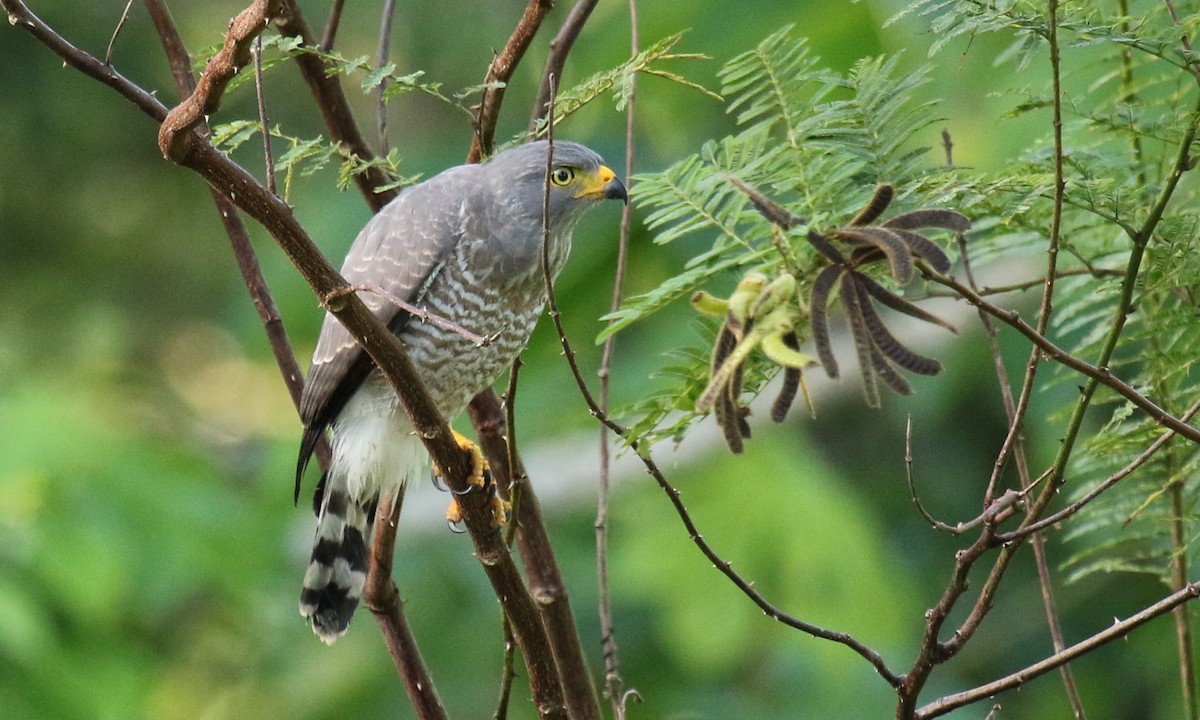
x,y
148,539
807,135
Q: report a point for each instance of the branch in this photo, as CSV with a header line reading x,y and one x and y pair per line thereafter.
x,y
335,109
192,151
724,566
206,98
560,47
381,597
614,685
537,554
1117,630
1095,492
332,23
498,75
235,229
541,567
1101,375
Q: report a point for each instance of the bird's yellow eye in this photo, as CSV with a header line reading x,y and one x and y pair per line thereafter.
x,y
562,176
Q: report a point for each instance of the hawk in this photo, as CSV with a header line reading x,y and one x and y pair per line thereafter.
x,y
465,248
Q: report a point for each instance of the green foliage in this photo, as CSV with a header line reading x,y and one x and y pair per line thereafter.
x,y
818,139
619,80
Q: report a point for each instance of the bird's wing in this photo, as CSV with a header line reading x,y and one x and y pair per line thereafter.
x,y
399,252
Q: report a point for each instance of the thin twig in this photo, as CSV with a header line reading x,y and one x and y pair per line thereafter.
x,y
381,59
268,156
499,73
1115,631
330,98
509,490
1100,375
1108,482
331,25
614,685
112,41
995,512
724,566
420,313
560,47
508,671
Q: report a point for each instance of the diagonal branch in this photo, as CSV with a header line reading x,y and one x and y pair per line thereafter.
x,y
206,98
335,108
380,596
1114,632
560,47
192,151
498,75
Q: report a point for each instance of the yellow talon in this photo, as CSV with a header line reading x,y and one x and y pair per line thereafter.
x,y
480,477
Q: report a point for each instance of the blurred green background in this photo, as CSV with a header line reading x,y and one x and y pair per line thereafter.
x,y
150,554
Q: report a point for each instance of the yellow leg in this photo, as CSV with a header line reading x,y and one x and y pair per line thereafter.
x,y
481,477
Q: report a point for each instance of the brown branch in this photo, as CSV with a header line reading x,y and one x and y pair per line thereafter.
x,y
385,39
264,127
1115,631
987,290
560,47
381,597
112,42
614,685
1016,423
331,25
1102,375
499,73
1108,482
235,229
536,552
192,151
724,566
335,109
206,98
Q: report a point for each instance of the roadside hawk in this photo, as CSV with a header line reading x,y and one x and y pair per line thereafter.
x,y
465,248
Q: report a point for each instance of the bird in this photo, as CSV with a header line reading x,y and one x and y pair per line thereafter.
x,y
463,250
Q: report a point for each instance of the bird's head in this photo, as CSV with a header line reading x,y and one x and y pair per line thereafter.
x,y
577,177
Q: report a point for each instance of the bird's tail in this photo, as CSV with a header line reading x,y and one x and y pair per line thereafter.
x,y
333,583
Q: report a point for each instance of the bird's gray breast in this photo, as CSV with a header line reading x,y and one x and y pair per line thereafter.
x,y
491,287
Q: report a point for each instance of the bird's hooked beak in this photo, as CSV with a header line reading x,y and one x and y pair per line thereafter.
x,y
604,185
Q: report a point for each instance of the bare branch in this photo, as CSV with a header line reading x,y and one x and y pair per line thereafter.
x,y
204,101
499,73
560,47
116,32
192,151
1118,630
381,59
335,109
724,566
239,238
1108,482
1102,375
381,597
331,25
264,128
614,685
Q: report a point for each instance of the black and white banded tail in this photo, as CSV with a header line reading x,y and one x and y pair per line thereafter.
x,y
333,583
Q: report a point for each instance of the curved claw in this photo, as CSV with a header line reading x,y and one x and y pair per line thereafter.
x,y
436,479
456,527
